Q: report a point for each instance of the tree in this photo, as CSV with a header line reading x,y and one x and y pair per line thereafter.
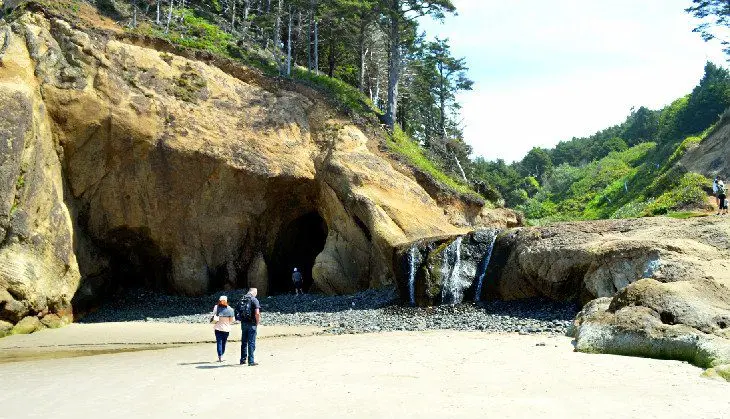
x,y
715,13
641,126
708,100
536,163
398,14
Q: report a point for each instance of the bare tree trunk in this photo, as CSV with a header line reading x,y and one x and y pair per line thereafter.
x,y
442,104
157,20
393,66
331,56
316,47
246,9
298,40
363,53
233,16
309,41
169,17
277,26
461,169
134,14
288,46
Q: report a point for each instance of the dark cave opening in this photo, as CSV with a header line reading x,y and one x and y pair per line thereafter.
x,y
136,261
296,246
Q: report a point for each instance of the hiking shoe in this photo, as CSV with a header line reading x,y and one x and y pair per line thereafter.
x,y
253,364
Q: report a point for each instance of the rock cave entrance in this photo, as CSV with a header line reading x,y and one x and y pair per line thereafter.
x,y
297,245
136,261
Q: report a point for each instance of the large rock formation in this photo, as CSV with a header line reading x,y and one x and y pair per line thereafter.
x,y
710,157
565,261
687,320
128,161
595,259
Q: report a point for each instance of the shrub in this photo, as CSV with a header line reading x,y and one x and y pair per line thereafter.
x,y
689,193
403,145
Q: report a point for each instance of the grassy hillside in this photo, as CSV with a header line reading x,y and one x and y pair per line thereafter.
x,y
628,170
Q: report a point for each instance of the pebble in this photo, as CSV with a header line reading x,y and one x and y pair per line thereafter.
x,y
365,312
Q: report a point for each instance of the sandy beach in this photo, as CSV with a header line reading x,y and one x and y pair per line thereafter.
x,y
302,374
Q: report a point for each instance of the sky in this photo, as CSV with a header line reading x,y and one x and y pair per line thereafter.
x,y
547,71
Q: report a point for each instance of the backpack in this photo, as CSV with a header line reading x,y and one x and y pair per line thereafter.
x,y
721,188
243,309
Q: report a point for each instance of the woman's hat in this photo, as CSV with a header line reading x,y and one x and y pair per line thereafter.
x,y
223,298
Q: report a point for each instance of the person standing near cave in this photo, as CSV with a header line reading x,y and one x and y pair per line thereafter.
x,y
223,317
296,278
721,197
248,311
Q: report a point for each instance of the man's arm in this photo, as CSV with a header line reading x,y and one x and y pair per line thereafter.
x,y
257,315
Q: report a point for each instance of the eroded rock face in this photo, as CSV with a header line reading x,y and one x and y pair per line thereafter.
x,y
124,164
595,259
687,320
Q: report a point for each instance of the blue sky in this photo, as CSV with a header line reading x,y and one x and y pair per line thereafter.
x,y
547,71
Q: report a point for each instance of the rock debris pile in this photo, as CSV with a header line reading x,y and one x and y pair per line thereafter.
x,y
364,312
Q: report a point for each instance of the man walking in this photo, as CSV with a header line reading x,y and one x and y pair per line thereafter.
x,y
248,311
296,277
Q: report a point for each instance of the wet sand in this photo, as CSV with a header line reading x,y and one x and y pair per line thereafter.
x,y
401,374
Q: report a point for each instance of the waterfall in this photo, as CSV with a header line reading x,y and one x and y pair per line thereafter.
x,y
484,265
412,275
451,291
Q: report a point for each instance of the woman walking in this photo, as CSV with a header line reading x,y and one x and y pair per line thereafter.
x,y
223,317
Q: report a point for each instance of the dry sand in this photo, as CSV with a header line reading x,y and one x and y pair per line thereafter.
x,y
406,374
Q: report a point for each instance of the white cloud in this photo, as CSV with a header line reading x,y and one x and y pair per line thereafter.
x,y
549,71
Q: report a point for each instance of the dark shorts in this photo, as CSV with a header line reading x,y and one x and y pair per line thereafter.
x,y
723,201
298,284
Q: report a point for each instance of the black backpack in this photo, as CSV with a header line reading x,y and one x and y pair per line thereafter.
x,y
243,309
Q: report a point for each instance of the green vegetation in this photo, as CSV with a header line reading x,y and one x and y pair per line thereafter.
x,y
628,170
188,86
401,144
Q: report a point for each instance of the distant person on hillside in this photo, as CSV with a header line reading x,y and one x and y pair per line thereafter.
x,y
722,198
296,278
714,191
248,311
222,317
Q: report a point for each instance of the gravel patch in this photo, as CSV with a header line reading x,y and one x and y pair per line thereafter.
x,y
364,312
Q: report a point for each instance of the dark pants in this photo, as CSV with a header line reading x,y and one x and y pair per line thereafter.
x,y
220,342
248,342
723,201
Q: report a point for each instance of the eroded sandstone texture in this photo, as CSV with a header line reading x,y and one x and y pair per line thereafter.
x,y
125,164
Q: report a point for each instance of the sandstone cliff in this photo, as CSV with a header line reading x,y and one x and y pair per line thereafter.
x,y
128,161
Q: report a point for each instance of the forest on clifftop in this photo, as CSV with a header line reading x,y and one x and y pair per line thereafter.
x,y
374,61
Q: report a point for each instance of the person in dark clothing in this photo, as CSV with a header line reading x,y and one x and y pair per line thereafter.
x,y
296,277
248,311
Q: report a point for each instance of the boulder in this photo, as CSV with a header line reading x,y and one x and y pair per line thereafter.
x,y
593,259
720,372
54,321
687,320
27,325
12,310
6,328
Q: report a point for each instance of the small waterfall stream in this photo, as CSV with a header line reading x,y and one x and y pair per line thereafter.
x,y
412,275
451,289
445,270
484,265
